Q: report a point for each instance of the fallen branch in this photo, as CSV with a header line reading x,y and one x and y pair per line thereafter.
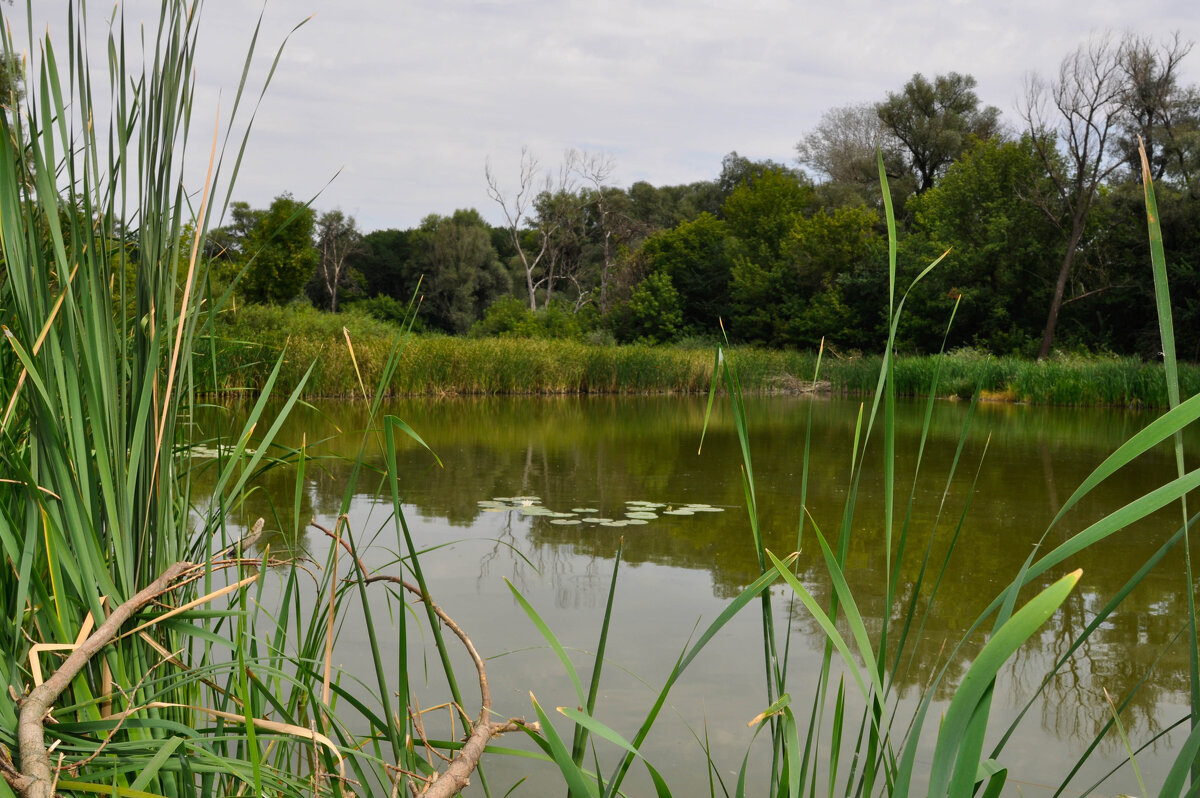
x,y
457,775
37,778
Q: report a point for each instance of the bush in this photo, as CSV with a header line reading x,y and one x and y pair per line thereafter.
x,y
510,317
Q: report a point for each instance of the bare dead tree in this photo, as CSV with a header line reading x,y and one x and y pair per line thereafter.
x,y
1072,121
595,169
518,208
337,238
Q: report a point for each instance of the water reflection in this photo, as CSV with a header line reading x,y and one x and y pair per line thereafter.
x,y
601,452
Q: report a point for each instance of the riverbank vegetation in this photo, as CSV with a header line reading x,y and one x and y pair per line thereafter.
x,y
1041,215
318,346
138,616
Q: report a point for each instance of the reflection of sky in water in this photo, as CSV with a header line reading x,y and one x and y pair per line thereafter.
x,y
603,453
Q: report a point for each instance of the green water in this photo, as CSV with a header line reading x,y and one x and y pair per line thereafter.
x,y
677,571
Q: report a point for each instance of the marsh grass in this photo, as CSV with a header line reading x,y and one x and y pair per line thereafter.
x,y
251,340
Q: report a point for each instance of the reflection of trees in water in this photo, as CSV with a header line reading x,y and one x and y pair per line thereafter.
x,y
603,452
1136,654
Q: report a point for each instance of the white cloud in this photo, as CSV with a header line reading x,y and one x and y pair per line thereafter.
x,y
410,99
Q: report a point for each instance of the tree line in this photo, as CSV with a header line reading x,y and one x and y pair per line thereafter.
x,y
1041,213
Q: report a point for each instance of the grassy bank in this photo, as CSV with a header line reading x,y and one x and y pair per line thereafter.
x,y
248,343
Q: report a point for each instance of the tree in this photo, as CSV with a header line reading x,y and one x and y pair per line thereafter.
x,y
738,170
462,274
844,148
383,258
761,212
518,208
337,239
1072,122
595,170
279,251
934,122
1003,251
695,256
1156,109
795,299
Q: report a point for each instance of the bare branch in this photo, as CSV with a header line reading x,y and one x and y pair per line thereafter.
x,y
39,778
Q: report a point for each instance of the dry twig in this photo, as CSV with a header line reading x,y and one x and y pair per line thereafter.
x,y
456,776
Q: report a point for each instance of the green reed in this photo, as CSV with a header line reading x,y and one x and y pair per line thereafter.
x,y
812,746
99,377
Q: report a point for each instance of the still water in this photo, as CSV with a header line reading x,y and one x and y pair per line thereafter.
x,y
1015,467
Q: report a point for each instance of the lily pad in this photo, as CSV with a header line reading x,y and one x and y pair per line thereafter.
x,y
679,512
585,510
636,522
566,521
644,516
615,523
595,520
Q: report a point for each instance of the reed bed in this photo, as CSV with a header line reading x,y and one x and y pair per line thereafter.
x,y
252,339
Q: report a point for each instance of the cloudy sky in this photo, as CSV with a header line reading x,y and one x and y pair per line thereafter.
x,y
410,98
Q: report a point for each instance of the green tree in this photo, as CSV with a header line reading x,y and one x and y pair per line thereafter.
x,y
934,121
696,258
279,252
798,298
653,314
761,211
384,259
462,273
1003,251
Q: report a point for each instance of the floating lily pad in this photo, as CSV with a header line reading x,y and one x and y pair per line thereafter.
x,y
492,503
615,523
535,511
594,520
585,510
645,516
645,504
561,515
679,512
636,522
704,508
566,521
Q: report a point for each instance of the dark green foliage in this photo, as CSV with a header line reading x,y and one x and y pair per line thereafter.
x,y
383,260
1003,252
935,120
461,274
815,288
279,252
653,314
696,259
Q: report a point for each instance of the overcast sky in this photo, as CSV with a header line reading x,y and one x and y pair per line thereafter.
x,y
409,99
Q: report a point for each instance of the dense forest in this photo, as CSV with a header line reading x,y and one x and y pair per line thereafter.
x,y
1042,214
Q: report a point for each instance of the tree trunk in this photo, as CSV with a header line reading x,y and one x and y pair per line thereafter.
x,y
1060,287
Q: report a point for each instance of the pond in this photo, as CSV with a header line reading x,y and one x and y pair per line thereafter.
x,y
594,456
